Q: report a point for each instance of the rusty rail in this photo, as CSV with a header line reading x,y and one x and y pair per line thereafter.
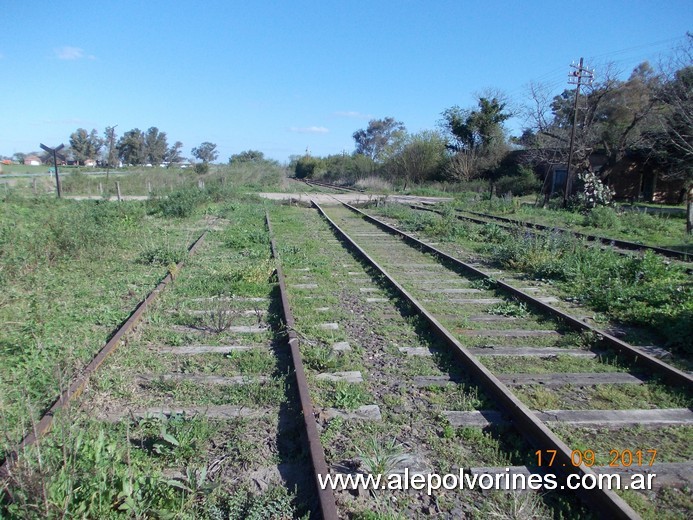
x,y
326,499
672,374
509,223
77,386
606,502
321,184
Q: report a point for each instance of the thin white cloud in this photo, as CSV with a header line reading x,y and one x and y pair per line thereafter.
x,y
352,114
72,53
309,130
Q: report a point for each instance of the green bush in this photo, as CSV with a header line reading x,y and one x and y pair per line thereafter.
x,y
162,256
202,168
602,217
642,223
37,230
276,502
179,204
306,166
524,183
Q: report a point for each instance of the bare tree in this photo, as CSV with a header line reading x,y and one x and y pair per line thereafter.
x,y
676,121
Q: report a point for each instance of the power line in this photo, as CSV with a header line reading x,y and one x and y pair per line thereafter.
x,y
554,72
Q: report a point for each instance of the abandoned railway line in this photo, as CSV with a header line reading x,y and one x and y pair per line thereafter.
x,y
296,342
493,337
618,245
329,186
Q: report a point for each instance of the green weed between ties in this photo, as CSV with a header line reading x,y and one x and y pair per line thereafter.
x,y
379,457
644,290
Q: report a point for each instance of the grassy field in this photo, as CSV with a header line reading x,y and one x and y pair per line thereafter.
x,y
70,274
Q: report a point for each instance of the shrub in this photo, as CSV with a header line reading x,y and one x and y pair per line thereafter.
x,y
524,183
594,192
601,217
178,204
374,183
306,166
202,168
161,255
640,290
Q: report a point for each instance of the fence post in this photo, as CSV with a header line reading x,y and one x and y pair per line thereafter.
x,y
118,190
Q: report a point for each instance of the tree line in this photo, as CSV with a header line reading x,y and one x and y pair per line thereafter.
x,y
135,148
647,117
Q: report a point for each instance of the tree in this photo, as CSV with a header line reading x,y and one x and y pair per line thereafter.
x,y
475,137
112,152
155,146
19,157
380,134
306,167
85,145
131,147
615,118
173,155
676,122
206,152
420,157
248,156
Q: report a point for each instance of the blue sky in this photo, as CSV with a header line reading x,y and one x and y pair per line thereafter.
x,y
284,76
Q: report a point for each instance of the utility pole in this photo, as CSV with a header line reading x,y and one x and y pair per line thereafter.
x,y
575,78
111,138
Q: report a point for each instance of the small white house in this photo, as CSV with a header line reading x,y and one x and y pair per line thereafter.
x,y
32,160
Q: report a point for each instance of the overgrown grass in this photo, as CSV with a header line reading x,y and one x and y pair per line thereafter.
x,y
644,290
90,472
71,273
636,226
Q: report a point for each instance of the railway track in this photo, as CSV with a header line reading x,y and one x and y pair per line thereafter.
x,y
453,312
328,185
623,246
204,390
381,375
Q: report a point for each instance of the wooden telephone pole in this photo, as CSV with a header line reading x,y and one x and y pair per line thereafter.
x,y
575,78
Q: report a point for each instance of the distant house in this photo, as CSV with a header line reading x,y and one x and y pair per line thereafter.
x,y
90,163
32,160
632,178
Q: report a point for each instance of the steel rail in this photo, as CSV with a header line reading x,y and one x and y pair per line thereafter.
x,y
672,374
77,386
623,244
326,499
334,186
605,502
